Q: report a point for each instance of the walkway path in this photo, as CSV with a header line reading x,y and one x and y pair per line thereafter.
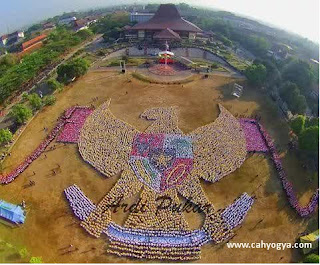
x,y
18,98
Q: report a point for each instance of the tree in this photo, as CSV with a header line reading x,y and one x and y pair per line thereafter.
x,y
311,258
20,113
35,101
300,104
58,42
9,60
85,34
110,26
256,74
297,124
290,93
53,84
312,122
74,68
5,136
300,73
309,139
49,100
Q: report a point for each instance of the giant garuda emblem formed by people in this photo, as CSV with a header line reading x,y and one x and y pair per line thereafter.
x,y
160,164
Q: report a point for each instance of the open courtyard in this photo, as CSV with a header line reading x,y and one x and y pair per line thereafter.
x,y
51,227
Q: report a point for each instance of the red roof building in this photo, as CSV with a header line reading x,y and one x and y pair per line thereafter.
x,y
32,45
33,41
166,22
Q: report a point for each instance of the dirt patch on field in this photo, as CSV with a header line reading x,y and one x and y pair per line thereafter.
x,y
50,226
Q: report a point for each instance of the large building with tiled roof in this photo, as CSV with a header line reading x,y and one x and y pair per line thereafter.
x,y
166,23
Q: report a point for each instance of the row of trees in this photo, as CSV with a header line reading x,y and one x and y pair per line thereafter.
x,y
274,73
293,78
31,103
59,41
22,112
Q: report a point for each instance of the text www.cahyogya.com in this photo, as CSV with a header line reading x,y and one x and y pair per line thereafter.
x,y
273,245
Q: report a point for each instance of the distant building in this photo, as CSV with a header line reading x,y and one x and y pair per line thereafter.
x,y
48,25
11,39
3,40
67,21
166,21
33,41
140,17
32,45
279,51
206,36
80,24
84,23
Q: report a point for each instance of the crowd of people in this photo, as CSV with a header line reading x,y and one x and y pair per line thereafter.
x,y
235,213
258,140
156,238
72,127
105,142
254,139
144,243
219,148
160,160
8,178
80,204
162,70
137,238
303,211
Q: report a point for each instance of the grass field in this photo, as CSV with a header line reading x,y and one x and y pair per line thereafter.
x,y
202,62
50,225
136,61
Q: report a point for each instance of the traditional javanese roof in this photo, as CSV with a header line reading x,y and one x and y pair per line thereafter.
x,y
167,16
167,34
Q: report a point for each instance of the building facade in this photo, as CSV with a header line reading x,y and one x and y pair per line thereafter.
x,y
140,17
166,24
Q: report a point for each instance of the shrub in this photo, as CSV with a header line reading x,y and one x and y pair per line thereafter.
x,y
124,58
20,113
23,253
312,122
5,136
309,139
101,53
35,101
24,96
36,260
49,100
297,124
311,258
53,84
214,65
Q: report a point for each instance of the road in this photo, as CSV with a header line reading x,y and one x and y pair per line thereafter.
x,y
18,98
